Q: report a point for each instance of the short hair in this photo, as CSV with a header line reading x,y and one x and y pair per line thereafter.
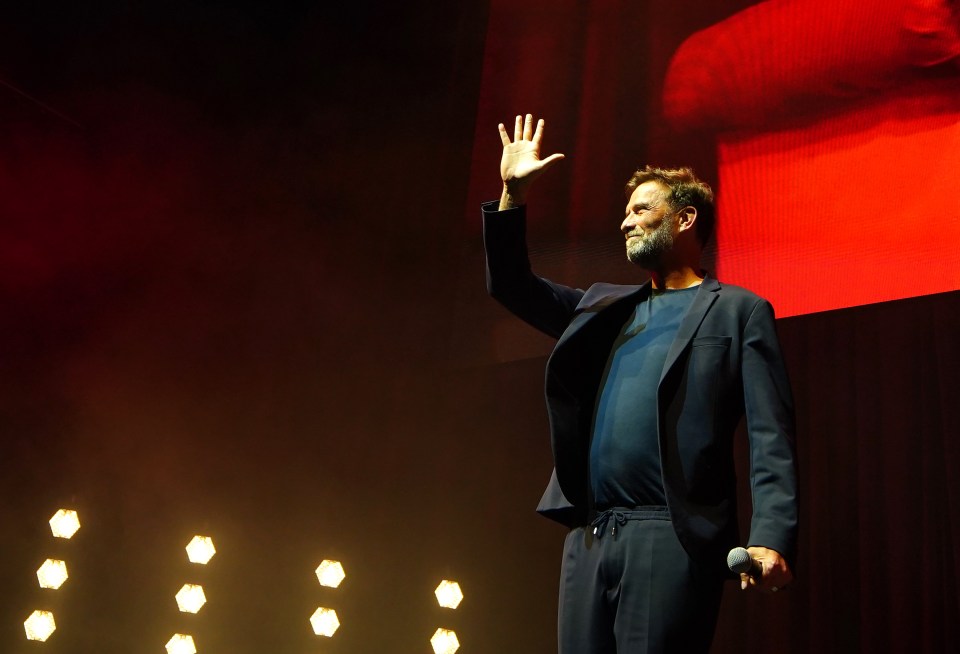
x,y
685,190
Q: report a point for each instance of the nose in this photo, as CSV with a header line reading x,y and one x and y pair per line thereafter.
x,y
628,224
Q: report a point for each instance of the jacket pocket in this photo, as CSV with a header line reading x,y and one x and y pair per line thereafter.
x,y
712,341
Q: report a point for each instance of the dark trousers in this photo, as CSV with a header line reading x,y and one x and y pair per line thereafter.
x,y
630,588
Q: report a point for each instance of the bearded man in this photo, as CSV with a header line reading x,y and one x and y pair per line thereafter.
x,y
645,388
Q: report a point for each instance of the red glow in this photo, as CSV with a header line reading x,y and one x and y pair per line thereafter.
x,y
838,133
851,210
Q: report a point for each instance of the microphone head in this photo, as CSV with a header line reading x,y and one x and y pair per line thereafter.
x,y
739,561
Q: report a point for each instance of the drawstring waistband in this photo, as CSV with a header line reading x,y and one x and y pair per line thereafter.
x,y
621,515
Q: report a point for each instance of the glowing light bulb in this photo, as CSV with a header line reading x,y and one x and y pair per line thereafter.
x,y
449,594
324,622
64,523
330,573
444,641
39,625
191,598
200,549
52,573
181,644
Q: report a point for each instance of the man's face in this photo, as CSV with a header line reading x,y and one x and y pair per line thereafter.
x,y
648,225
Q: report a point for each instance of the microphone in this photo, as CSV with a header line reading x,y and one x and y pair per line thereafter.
x,y
740,561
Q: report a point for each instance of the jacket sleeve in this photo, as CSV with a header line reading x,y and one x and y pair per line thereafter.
x,y
768,405
539,302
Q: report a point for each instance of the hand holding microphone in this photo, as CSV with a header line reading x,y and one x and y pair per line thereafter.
x,y
759,567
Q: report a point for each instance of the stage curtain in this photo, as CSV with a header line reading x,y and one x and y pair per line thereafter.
x,y
594,71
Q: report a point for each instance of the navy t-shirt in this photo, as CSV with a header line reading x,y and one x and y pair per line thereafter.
x,y
625,452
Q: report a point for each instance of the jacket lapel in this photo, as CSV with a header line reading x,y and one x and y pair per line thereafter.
x,y
706,296
592,306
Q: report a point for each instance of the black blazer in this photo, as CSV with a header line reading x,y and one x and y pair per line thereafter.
x,y
724,363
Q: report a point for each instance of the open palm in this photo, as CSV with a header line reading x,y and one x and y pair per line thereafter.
x,y
521,162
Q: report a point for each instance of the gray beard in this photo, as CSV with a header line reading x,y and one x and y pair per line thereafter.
x,y
646,252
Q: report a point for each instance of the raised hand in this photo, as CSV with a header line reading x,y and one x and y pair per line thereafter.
x,y
521,162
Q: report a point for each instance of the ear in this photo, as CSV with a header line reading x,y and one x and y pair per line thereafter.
x,y
686,218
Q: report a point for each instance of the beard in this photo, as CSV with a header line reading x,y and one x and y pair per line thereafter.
x,y
648,250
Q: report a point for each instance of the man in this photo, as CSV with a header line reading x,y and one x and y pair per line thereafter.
x,y
645,388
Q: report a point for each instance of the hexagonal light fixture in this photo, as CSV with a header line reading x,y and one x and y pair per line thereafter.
x,y
444,641
324,622
200,549
448,594
39,625
181,644
52,573
191,598
64,523
330,573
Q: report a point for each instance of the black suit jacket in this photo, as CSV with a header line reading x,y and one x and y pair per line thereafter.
x,y
724,363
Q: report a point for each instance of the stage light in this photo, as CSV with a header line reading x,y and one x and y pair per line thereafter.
x,y
181,644
325,622
449,594
52,573
200,549
330,573
39,625
191,598
444,641
64,523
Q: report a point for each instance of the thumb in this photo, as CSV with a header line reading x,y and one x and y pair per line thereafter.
x,y
549,161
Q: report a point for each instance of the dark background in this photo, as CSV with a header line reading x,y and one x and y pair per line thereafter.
x,y
241,294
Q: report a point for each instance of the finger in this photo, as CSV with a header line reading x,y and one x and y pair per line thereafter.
x,y
504,137
518,128
538,134
528,127
744,580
